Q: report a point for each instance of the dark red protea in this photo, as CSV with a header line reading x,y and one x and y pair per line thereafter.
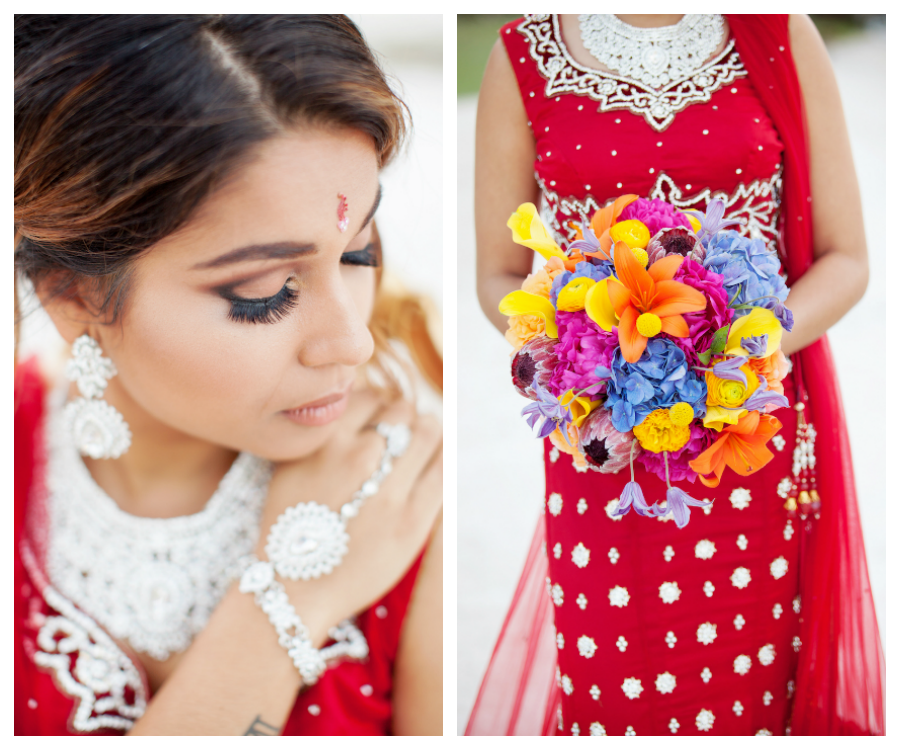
x,y
605,448
536,359
675,241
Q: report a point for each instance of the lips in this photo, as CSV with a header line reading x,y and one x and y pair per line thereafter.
x,y
325,400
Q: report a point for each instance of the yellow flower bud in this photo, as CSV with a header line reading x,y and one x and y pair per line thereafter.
x,y
641,255
681,414
648,324
632,232
571,296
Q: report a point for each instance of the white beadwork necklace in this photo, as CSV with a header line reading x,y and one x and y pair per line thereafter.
x,y
653,57
151,581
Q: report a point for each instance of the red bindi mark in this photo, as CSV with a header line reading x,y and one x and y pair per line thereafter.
x,y
343,218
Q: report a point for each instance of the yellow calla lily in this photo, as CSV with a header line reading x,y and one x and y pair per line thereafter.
x,y
598,306
579,406
717,417
760,321
525,303
528,230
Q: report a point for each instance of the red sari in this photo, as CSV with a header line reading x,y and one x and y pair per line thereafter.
x,y
64,689
744,622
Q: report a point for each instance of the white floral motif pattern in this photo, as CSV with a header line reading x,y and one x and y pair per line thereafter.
x,y
790,688
739,622
613,555
705,720
706,675
704,549
742,664
618,596
556,594
554,454
632,687
796,604
669,592
581,555
629,731
668,553
595,692
778,567
740,498
557,550
740,578
777,610
566,684
586,646
708,588
610,509
796,644
767,698
575,729
788,530
673,725
598,730
779,442
671,640
582,506
665,682
738,708
554,504
560,641
706,633
763,733
766,654
581,601
784,488
621,643
742,542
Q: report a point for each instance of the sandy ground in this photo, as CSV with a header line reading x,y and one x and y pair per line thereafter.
x,y
500,474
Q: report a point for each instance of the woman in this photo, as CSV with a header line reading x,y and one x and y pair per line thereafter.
x,y
194,209
748,621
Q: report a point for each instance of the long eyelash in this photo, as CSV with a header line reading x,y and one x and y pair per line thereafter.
x,y
274,308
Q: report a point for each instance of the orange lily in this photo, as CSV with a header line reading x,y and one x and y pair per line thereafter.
x,y
741,446
602,221
652,296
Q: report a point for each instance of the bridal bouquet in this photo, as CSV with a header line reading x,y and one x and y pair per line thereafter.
x,y
654,337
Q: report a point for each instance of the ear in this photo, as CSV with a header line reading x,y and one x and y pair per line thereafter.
x,y
67,307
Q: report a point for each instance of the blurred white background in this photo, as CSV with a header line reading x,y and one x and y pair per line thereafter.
x,y
501,483
410,49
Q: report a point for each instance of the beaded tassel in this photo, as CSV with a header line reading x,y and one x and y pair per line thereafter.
x,y
803,497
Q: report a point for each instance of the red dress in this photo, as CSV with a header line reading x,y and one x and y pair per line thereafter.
x,y
659,630
69,692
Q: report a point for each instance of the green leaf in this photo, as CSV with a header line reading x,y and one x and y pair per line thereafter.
x,y
719,339
704,357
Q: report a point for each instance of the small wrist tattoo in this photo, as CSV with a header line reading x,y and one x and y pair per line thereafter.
x,y
259,727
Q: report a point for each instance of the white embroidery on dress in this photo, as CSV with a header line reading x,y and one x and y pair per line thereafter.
x,y
668,553
671,639
706,675
611,507
560,641
582,506
763,733
777,610
554,454
708,588
704,549
586,646
705,720
669,592
739,622
706,633
575,729
673,725
598,730
629,731
788,530
556,594
740,578
740,498
566,684
665,682
557,550
757,203
632,687
796,644
778,442
796,604
778,568
742,664
618,596
314,709
784,487
742,542
613,555
581,555
738,708
767,698
790,688
595,692
621,643
554,504
613,92
581,601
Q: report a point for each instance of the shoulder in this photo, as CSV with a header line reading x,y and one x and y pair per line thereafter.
x,y
814,69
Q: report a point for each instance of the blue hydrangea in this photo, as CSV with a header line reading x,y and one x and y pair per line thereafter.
x,y
659,379
582,269
751,272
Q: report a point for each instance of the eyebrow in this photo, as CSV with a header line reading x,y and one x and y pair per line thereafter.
x,y
276,250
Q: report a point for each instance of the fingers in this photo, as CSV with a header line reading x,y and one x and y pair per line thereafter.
x,y
424,449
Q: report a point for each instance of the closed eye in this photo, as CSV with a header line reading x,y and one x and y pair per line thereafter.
x,y
365,257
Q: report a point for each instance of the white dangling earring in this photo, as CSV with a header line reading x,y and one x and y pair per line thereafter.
x,y
98,428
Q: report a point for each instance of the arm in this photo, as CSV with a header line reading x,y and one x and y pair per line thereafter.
x,y
504,179
838,277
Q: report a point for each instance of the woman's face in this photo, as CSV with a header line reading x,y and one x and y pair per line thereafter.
x,y
245,328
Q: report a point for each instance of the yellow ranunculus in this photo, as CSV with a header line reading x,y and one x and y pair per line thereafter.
x,y
632,232
524,303
598,306
571,296
724,397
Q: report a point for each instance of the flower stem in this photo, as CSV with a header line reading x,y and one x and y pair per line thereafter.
x,y
666,462
749,303
631,458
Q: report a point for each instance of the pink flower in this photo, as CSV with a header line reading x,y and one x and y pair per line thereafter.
x,y
656,214
582,345
676,241
605,449
703,325
701,438
536,359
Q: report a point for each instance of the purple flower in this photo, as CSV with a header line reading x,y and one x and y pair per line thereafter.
x,y
730,369
534,362
711,222
755,345
656,214
582,346
632,495
761,398
677,241
548,409
590,243
680,503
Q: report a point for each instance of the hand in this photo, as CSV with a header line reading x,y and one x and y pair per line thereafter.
x,y
392,526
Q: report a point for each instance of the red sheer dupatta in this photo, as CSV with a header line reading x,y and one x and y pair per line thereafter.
x,y
841,672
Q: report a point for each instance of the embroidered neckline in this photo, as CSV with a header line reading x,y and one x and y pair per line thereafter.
x,y
613,92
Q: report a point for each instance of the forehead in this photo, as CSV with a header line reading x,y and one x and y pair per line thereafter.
x,y
288,191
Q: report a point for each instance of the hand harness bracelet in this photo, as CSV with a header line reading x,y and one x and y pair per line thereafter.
x,y
307,541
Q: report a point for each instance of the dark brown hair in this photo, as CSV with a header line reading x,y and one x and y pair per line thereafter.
x,y
125,123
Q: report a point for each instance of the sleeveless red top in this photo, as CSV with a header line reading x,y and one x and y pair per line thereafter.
x,y
69,693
